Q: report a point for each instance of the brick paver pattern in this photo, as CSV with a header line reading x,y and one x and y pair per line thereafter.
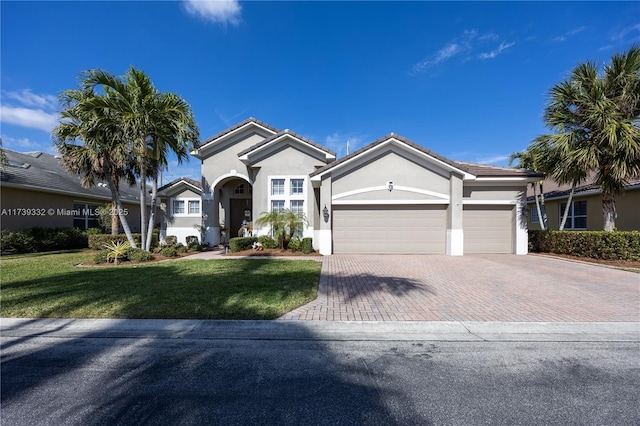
x,y
470,288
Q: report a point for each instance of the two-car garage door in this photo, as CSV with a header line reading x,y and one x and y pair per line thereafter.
x,y
420,229
389,229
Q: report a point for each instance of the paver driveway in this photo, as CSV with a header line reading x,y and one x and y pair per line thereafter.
x,y
470,288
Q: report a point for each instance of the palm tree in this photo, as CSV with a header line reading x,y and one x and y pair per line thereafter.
x,y
532,159
283,223
90,143
153,123
595,121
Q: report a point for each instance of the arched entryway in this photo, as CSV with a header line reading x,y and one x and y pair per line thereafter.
x,y
232,207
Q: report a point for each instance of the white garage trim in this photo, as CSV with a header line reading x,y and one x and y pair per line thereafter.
x,y
490,202
386,188
389,202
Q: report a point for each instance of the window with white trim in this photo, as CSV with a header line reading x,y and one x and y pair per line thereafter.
x,y
85,216
297,186
577,216
533,213
277,205
277,187
194,206
178,207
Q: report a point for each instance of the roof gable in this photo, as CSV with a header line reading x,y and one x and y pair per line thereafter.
x,y
288,136
248,126
179,185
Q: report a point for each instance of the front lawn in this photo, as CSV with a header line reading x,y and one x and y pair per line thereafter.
x,y
50,285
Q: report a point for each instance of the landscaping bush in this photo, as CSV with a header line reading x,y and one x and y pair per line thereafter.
x,y
139,255
40,239
100,257
97,241
170,240
307,245
241,243
181,248
267,242
617,245
192,240
169,252
294,244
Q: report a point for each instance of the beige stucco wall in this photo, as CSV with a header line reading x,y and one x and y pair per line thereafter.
x,y
18,198
627,206
490,192
390,167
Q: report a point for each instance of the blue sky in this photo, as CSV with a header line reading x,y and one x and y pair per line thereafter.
x,y
467,80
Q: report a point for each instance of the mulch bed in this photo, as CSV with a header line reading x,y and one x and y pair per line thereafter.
x,y
270,253
156,258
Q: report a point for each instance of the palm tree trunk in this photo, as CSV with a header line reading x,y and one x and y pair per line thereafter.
x,y
114,219
143,202
535,193
566,209
543,218
152,212
609,211
121,213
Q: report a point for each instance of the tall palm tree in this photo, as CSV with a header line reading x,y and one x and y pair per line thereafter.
x,y
532,159
595,118
90,142
154,124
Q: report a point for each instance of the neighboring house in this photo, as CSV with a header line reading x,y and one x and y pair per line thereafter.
x,y
36,190
180,203
391,196
585,211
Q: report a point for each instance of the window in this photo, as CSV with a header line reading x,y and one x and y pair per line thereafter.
x,y
239,189
85,216
194,206
277,205
178,206
533,213
297,206
577,215
277,187
297,186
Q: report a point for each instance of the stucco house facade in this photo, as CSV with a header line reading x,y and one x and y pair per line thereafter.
x,y
36,190
391,196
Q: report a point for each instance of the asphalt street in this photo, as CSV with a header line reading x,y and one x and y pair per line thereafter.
x,y
295,373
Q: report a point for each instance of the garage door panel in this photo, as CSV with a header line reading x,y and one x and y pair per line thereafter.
x,y
389,229
488,229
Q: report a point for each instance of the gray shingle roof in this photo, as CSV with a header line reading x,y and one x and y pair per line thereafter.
x,y
235,127
45,172
197,184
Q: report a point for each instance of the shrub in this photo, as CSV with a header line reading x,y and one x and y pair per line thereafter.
x,y
307,245
169,252
100,257
192,241
267,242
170,240
181,248
94,231
241,243
139,255
617,245
97,241
39,239
117,251
294,244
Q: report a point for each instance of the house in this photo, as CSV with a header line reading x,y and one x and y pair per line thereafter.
x,y
36,190
585,211
180,203
391,196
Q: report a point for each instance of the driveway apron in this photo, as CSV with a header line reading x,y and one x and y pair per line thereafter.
x,y
470,288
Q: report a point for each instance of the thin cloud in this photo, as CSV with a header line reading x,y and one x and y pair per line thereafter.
x,y
490,55
569,34
337,142
216,11
634,30
27,98
30,118
462,46
494,160
26,145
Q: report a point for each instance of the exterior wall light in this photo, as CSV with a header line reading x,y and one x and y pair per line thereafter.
x,y
325,213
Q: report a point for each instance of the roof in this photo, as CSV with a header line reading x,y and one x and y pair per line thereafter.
x,y
250,120
182,180
478,170
563,191
292,134
44,172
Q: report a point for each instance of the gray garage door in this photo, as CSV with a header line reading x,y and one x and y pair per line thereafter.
x,y
488,229
389,229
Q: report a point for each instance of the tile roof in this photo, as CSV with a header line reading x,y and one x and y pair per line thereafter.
x,y
236,127
45,172
478,170
193,182
290,133
561,191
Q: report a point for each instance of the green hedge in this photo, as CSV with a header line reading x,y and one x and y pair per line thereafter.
x,y
307,245
40,239
97,241
241,243
617,245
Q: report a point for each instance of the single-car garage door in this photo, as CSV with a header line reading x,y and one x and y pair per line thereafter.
x,y
488,229
389,229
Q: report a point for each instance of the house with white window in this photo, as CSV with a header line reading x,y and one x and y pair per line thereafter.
x,y
391,196
181,207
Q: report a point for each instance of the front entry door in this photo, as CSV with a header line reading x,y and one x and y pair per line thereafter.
x,y
240,211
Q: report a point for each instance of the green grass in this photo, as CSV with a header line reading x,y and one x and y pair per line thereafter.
x,y
51,286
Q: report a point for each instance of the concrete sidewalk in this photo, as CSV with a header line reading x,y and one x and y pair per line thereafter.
x,y
323,330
